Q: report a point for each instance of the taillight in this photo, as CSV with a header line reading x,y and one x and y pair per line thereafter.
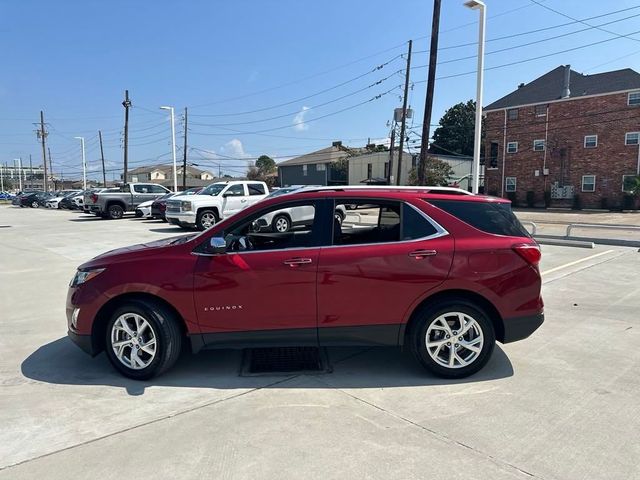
x,y
94,198
163,207
530,253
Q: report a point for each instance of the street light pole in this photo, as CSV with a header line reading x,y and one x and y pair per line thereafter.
x,y
84,164
173,148
478,5
19,172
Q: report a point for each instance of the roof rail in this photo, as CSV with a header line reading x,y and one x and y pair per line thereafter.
x,y
342,188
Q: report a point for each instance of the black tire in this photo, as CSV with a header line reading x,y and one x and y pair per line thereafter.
x,y
339,216
167,334
281,224
428,314
35,205
138,213
115,212
202,220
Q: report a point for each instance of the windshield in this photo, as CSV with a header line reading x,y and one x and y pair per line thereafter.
x,y
213,189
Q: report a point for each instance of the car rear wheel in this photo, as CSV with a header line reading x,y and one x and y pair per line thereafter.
x,y
206,219
281,224
115,212
35,204
139,213
453,338
142,339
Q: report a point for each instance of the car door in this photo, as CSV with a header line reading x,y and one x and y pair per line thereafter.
x,y
385,256
264,292
234,199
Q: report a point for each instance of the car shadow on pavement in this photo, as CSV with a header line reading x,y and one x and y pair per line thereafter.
x,y
60,362
86,219
169,230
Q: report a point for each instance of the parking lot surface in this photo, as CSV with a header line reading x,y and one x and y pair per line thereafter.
x,y
562,404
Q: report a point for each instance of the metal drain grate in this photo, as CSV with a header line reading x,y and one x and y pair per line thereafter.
x,y
284,361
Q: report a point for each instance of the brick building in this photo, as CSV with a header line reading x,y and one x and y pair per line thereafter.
x,y
574,136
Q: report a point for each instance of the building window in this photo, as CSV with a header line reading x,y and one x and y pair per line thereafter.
x,y
588,183
369,169
304,170
321,167
633,98
628,182
512,147
590,141
512,114
632,138
510,184
538,145
541,110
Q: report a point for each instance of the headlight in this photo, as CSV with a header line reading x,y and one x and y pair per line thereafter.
x,y
83,276
185,206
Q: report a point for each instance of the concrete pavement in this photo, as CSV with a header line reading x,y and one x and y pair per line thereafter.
x,y
559,405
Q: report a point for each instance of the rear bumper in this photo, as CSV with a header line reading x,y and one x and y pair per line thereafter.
x,y
518,328
84,342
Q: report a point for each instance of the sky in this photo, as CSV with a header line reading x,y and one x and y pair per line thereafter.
x,y
280,78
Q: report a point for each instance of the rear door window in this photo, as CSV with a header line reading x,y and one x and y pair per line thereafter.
x,y
490,217
256,189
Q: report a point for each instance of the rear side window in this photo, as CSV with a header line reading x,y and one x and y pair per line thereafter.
x,y
490,217
415,225
256,189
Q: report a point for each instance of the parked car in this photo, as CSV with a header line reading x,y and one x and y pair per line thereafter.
x,y
159,206
439,271
216,202
70,202
113,205
54,202
6,196
35,199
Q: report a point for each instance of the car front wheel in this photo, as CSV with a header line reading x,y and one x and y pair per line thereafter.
x,y
453,339
35,204
206,219
281,224
142,339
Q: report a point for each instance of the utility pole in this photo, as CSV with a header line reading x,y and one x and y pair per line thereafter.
x,y
431,78
43,136
391,147
404,113
30,172
104,174
184,157
50,168
1,179
126,104
84,163
20,172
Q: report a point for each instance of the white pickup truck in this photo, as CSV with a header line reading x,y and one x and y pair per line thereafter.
x,y
219,200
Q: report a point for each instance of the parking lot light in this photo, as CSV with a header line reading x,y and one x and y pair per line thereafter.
x,y
173,148
84,164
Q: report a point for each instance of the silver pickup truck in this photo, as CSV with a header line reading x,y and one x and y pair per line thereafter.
x,y
113,205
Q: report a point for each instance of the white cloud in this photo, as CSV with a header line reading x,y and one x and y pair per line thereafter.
x,y
233,148
298,120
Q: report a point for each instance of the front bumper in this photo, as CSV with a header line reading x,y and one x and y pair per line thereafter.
x,y
182,218
519,328
85,342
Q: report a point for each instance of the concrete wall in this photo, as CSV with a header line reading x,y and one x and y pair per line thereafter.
x,y
358,166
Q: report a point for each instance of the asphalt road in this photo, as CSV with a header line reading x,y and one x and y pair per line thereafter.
x,y
562,404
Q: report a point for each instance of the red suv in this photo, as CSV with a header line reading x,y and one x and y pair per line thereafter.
x,y
436,270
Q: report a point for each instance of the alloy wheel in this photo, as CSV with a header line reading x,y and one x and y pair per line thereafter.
x,y
133,341
454,340
282,224
208,220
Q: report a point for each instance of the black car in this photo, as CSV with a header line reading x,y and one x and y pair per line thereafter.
x,y
34,200
68,203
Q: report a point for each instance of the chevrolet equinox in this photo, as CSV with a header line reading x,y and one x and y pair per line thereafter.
x,y
438,271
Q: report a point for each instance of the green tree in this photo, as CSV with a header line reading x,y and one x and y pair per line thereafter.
x,y
438,173
455,133
265,165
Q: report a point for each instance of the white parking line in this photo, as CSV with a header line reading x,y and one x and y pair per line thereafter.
x,y
575,262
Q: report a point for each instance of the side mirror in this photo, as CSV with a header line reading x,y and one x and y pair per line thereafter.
x,y
217,245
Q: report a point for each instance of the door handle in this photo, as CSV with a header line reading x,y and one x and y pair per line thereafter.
x,y
294,262
420,254
244,200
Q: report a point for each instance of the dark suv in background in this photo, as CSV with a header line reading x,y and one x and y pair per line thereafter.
x,y
440,271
